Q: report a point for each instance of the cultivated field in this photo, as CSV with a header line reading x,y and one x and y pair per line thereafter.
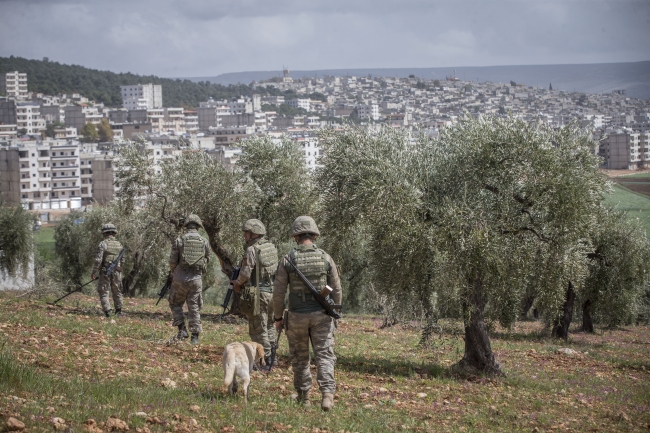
x,y
68,368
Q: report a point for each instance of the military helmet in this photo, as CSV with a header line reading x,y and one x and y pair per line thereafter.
x,y
193,219
108,228
254,226
304,224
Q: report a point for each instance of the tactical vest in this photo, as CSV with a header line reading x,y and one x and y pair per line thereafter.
x,y
112,250
193,252
310,260
266,264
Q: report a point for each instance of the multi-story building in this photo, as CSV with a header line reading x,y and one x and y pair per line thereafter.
x,y
8,132
28,118
230,135
625,150
141,96
41,175
299,103
368,111
14,85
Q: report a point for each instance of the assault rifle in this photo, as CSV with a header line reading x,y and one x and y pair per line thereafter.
x,y
226,299
274,350
322,297
164,289
78,289
111,268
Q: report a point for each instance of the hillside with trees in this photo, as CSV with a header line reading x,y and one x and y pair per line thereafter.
x,y
104,86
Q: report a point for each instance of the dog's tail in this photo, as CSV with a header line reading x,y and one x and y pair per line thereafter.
x,y
228,370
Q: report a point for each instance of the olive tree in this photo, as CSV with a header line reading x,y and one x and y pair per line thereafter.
x,y
618,270
16,243
466,214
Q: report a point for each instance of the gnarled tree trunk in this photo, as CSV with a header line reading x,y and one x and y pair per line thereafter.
x,y
478,352
587,322
561,329
527,305
227,265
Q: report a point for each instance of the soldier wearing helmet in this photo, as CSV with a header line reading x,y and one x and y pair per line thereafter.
x,y
306,318
187,262
107,252
255,283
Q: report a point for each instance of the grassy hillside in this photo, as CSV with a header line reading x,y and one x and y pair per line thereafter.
x,y
637,205
104,86
71,367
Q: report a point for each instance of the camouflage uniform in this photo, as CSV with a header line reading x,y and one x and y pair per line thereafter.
x,y
260,252
307,320
107,252
186,283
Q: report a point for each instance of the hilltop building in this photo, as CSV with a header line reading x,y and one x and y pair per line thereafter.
x,y
14,85
141,96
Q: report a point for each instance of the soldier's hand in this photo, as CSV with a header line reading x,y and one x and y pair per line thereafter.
x,y
278,325
235,286
92,276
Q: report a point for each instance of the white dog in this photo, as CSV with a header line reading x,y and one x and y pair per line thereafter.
x,y
238,362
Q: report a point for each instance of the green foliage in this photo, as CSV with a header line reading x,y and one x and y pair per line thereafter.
x,y
105,131
89,132
75,248
618,270
16,243
282,185
49,129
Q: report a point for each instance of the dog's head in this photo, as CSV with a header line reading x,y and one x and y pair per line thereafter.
x,y
259,353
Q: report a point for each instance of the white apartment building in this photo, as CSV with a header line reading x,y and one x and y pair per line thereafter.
x,y
368,111
8,132
28,118
14,85
230,135
305,104
166,120
191,122
141,96
625,150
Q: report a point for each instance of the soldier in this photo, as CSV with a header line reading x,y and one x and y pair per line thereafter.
x,y
187,262
107,252
256,278
306,317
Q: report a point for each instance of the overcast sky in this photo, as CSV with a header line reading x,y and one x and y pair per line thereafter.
x,y
189,38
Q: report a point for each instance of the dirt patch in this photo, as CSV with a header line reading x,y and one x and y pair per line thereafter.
x,y
639,185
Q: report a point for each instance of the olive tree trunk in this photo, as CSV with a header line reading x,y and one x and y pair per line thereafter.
x,y
561,329
587,322
227,265
478,355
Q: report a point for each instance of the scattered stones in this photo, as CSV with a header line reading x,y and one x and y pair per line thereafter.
x,y
195,408
116,424
567,351
422,395
168,383
15,425
364,395
91,426
368,406
382,390
59,423
141,414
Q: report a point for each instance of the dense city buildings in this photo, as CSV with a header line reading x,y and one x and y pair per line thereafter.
x,y
50,159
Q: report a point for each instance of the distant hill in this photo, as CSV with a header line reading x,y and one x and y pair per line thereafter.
x,y
634,77
104,86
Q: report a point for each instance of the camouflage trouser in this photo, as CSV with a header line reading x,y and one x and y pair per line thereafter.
x,y
190,292
113,285
319,328
261,328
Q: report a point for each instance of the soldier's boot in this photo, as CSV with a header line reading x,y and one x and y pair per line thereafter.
x,y
328,401
195,338
182,332
118,312
302,398
107,313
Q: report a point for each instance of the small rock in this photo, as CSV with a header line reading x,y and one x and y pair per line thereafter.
x,y
194,422
195,408
141,414
422,395
383,390
116,424
567,351
59,423
364,395
91,426
368,406
168,383
15,425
